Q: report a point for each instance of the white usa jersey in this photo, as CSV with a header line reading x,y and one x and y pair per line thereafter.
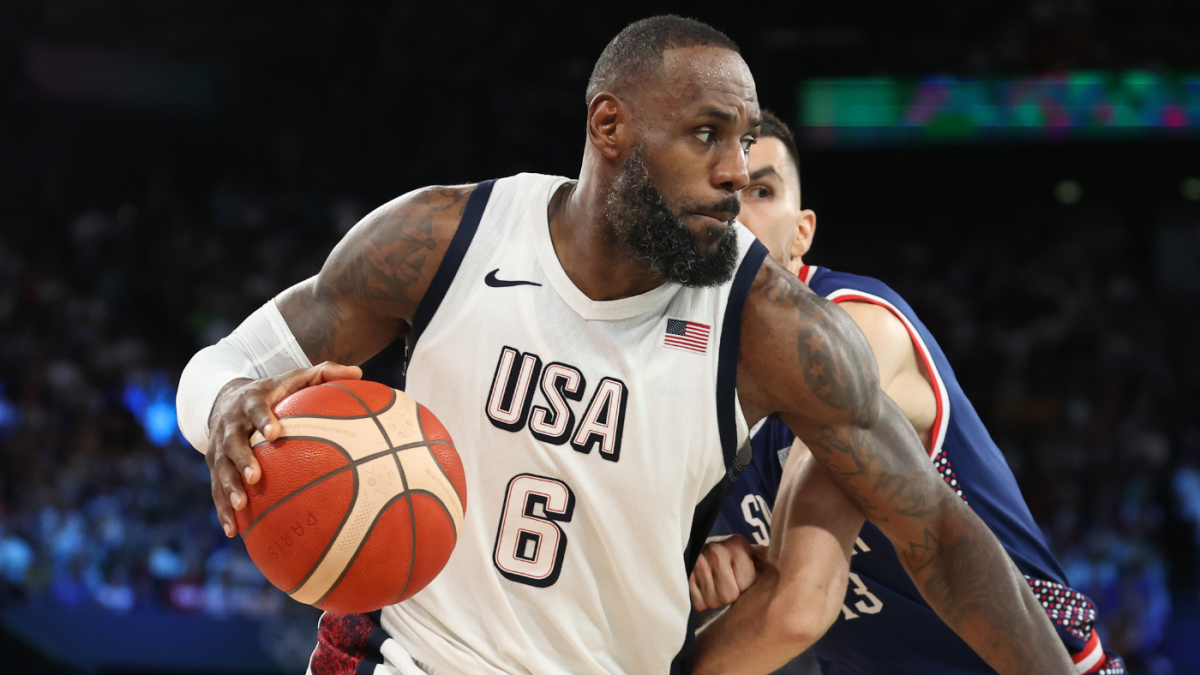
x,y
598,439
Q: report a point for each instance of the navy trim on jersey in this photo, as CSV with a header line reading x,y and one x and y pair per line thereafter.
x,y
448,268
706,514
731,344
710,507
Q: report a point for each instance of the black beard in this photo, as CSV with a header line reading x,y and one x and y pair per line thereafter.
x,y
654,234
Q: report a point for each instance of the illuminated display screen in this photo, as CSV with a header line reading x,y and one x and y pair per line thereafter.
x,y
872,111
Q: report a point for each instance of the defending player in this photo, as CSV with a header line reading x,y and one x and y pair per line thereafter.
x,y
885,625
599,349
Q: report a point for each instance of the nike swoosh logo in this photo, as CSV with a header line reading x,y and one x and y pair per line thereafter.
x,y
492,281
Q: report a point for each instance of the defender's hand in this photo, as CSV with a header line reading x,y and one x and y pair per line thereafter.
x,y
725,569
242,407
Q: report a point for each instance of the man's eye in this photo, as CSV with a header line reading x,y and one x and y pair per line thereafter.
x,y
705,136
760,192
746,143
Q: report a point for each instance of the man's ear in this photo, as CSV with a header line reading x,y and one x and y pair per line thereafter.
x,y
608,126
806,228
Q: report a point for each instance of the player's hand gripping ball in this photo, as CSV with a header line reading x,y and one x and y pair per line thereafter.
x,y
361,499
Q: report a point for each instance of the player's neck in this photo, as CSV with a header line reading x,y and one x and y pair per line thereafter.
x,y
794,265
586,249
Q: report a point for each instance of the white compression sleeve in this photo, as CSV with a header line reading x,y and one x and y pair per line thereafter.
x,y
261,347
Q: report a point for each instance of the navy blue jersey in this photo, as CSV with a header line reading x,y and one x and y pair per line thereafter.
x,y
886,626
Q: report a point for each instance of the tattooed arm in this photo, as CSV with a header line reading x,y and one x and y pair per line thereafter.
x,y
367,292
806,360
364,297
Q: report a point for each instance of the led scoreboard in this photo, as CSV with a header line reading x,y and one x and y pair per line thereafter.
x,y
1064,105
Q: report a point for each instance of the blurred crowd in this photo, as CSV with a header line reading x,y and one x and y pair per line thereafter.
x,y
101,500
1055,325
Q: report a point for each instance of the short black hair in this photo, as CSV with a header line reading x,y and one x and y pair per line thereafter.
x,y
637,51
773,127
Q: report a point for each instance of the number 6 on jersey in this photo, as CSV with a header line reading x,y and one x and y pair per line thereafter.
x,y
530,545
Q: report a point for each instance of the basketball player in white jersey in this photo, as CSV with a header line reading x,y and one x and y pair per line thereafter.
x,y
599,349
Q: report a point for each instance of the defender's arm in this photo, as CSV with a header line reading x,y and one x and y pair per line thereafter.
x,y
800,589
807,361
902,374
364,297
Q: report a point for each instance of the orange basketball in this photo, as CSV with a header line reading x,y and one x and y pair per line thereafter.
x,y
361,498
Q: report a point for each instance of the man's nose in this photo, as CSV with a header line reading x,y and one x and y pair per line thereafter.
x,y
732,172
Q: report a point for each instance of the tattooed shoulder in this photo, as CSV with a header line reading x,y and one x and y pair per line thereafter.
x,y
387,256
377,274
813,342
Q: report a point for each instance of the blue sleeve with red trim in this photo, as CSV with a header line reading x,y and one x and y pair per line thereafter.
x,y
963,451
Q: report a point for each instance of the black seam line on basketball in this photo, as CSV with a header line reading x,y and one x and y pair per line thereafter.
x,y
353,464
461,498
347,417
374,416
329,546
438,464
438,499
412,517
390,403
325,417
356,398
420,426
371,413
412,528
293,493
392,448
350,563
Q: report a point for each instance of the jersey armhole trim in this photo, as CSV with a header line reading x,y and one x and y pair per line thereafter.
x,y
448,269
727,354
941,419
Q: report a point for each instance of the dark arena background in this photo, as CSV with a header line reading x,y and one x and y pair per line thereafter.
x,y
1026,173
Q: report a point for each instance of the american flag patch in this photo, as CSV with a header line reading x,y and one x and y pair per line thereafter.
x,y
687,335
